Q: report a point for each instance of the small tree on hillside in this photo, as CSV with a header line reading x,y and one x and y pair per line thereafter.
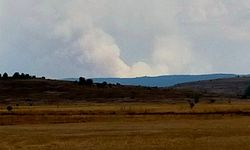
x,y
82,81
196,98
27,76
104,83
5,76
9,108
89,82
247,92
16,75
191,103
22,76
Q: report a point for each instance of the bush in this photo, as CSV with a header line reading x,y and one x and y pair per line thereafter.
x,y
89,82
27,76
191,104
102,85
247,93
133,95
9,108
196,97
212,101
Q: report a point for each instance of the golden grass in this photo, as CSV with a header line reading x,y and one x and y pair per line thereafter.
x,y
151,132
121,126
125,108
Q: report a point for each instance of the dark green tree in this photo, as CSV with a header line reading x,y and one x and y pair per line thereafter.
x,y
196,98
27,76
82,81
16,75
89,82
5,76
22,76
247,92
9,108
104,83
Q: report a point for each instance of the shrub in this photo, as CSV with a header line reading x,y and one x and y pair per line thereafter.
x,y
133,95
89,82
102,85
27,76
9,108
110,85
212,101
191,104
247,92
196,97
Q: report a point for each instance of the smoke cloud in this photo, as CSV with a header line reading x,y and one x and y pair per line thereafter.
x,y
101,38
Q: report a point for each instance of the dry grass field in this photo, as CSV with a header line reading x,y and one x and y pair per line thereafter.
x,y
126,126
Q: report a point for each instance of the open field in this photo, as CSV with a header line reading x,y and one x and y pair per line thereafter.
x,y
126,126
86,112
232,133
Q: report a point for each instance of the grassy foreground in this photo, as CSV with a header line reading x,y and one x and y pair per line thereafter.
x,y
126,126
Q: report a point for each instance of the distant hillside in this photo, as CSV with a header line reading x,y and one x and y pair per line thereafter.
x,y
19,91
161,81
231,86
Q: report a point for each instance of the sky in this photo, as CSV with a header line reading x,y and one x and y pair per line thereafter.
x,y
124,38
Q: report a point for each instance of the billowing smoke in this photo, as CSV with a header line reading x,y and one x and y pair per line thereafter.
x,y
61,38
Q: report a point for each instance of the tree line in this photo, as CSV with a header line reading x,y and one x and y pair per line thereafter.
x,y
17,75
81,81
89,82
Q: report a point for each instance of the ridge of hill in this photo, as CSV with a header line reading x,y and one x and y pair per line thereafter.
x,y
229,86
159,81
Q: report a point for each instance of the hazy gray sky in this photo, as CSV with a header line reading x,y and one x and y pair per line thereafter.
x,y
124,38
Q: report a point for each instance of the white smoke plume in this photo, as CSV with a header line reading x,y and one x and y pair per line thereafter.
x,y
61,38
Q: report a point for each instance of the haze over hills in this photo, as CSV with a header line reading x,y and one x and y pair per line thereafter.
x,y
160,81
